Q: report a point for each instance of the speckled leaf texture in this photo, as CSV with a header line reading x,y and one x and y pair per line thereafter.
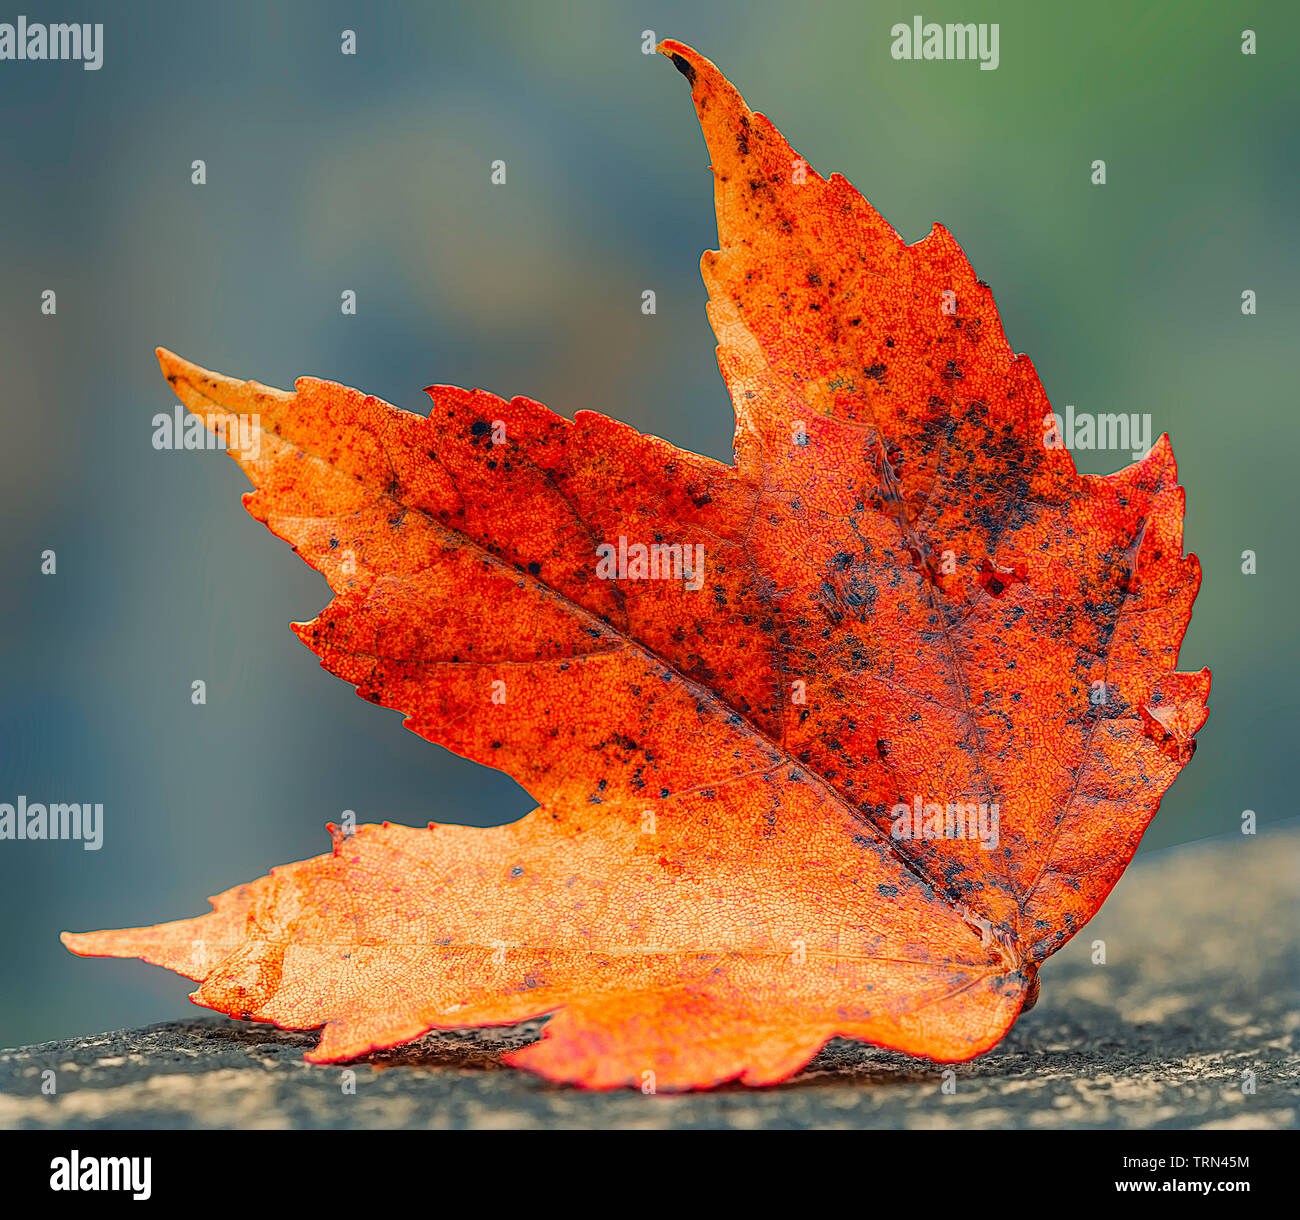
x,y
711,886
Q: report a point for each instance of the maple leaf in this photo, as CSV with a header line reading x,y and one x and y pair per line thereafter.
x,y
898,599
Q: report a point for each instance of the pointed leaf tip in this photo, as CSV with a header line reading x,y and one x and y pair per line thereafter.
x,y
687,60
169,362
680,62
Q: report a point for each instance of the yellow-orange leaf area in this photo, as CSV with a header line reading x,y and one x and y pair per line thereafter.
x,y
898,596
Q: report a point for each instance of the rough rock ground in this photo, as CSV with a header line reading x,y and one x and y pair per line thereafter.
x,y
1199,989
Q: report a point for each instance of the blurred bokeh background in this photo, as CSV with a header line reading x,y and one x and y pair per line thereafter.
x,y
370,172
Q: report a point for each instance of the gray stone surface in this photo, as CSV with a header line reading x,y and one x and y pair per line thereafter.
x,y
1199,988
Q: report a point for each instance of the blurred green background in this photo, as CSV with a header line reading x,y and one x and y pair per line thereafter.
x,y
371,173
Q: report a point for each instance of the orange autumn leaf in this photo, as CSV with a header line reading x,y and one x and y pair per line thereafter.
x,y
744,697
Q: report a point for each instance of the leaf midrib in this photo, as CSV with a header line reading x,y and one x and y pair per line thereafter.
x,y
809,776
